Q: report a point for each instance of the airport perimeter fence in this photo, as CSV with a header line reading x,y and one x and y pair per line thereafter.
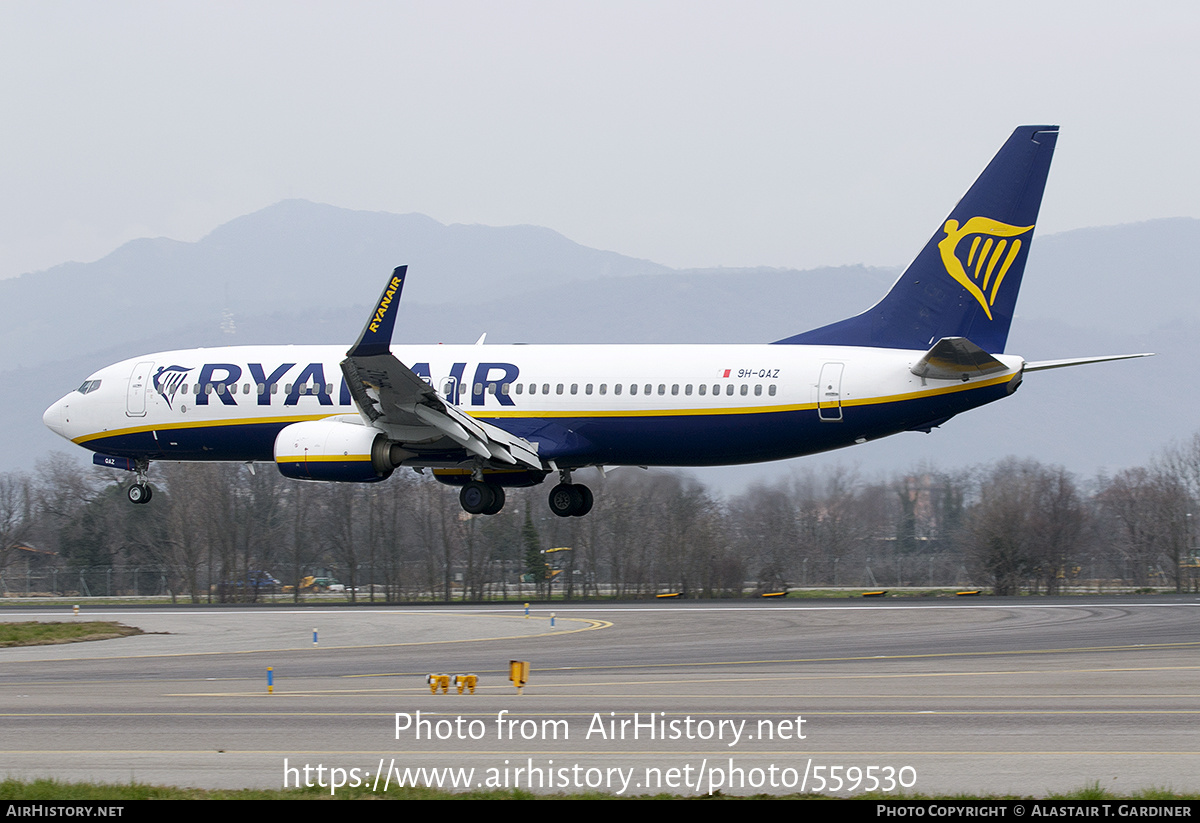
x,y
415,582
388,584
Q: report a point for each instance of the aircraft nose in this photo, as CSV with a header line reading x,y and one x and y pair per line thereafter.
x,y
55,418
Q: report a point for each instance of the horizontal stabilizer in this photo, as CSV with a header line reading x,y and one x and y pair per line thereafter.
x,y
956,358
1042,365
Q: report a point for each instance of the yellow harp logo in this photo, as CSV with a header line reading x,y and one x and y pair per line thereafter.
x,y
987,260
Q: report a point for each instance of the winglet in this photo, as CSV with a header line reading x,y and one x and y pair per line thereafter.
x,y
376,337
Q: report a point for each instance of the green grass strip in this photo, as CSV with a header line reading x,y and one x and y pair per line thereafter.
x,y
46,634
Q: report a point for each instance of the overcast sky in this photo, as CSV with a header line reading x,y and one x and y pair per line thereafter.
x,y
689,133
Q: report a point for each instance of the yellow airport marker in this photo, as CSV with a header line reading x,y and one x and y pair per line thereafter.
x,y
518,673
438,680
466,680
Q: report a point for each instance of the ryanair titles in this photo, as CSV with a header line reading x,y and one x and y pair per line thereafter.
x,y
223,383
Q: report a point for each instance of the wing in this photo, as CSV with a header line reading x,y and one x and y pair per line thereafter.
x,y
393,398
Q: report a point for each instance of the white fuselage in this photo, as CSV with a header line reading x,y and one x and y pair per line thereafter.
x,y
583,405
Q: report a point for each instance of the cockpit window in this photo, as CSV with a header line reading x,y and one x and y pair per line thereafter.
x,y
89,386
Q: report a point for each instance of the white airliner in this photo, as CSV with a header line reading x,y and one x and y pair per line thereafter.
x,y
487,417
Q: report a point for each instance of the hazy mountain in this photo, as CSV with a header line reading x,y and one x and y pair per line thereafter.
x,y
294,259
301,272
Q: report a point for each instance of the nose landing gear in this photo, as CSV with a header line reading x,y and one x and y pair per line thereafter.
x,y
140,492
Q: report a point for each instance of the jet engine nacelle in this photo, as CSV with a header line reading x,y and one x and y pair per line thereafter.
x,y
336,450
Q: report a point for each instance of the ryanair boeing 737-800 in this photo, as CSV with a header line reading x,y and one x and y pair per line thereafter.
x,y
487,417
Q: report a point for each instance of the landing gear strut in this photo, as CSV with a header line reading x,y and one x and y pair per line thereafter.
x,y
481,498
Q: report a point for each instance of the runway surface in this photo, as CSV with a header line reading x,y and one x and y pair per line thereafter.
x,y
1019,696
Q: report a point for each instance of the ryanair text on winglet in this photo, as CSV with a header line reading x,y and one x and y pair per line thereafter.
x,y
392,288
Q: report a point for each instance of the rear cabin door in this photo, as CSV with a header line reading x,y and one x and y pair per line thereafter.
x,y
829,393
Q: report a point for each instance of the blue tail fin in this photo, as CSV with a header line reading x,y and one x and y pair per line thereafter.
x,y
964,282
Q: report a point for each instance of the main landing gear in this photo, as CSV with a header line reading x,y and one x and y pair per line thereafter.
x,y
569,499
478,497
140,492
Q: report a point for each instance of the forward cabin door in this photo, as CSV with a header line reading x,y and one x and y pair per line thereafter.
x,y
135,400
